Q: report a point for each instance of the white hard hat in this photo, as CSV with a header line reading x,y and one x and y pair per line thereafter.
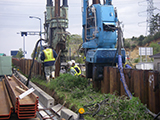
x,y
69,63
73,61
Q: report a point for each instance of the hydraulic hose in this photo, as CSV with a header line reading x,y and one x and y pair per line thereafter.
x,y
33,60
122,74
122,77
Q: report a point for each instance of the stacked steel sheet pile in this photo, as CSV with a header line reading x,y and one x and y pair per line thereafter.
x,y
5,103
25,107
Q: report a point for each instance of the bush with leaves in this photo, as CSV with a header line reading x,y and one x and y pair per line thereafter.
x,y
133,46
67,82
110,106
156,47
136,60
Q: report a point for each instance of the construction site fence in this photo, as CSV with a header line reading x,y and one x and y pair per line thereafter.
x,y
144,84
24,66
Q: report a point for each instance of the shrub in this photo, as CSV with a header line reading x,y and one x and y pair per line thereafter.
x,y
136,60
133,46
67,82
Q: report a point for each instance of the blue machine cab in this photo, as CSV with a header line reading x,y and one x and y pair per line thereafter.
x,y
100,34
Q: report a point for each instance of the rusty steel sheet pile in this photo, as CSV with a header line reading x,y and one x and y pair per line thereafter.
x,y
5,103
25,107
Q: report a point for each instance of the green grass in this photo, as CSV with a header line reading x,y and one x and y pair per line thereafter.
x,y
76,91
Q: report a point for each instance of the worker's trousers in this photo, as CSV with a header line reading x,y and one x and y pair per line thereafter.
x,y
49,70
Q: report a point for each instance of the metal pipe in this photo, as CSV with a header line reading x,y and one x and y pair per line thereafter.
x,y
65,3
109,2
57,8
95,1
49,3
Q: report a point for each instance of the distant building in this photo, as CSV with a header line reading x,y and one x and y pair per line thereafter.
x,y
156,61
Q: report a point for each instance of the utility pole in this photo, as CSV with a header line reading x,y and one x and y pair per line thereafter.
x,y
40,32
23,34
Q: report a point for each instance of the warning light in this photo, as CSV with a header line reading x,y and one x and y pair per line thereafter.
x,y
81,110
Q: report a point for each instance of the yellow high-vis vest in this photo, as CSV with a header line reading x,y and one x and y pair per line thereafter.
x,y
78,69
48,55
74,70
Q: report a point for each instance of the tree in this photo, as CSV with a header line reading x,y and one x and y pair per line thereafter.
x,y
74,42
20,54
140,40
37,52
155,24
75,39
156,47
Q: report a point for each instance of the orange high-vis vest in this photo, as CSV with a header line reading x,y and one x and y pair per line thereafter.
x,y
48,55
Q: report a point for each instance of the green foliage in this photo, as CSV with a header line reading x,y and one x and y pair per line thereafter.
x,y
20,54
74,43
155,24
115,107
140,40
79,60
75,39
156,47
127,45
133,46
37,52
134,38
136,60
67,82
157,36
81,94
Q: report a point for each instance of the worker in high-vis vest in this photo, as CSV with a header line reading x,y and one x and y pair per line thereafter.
x,y
126,65
70,69
76,68
48,57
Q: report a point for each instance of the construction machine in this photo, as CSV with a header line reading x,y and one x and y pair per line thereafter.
x,y
101,31
56,23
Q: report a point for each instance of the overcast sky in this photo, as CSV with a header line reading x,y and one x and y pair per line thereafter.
x,y
14,18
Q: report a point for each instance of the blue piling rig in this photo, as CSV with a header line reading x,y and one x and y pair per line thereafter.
x,y
100,35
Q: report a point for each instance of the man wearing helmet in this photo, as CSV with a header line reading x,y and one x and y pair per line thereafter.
x,y
48,56
70,69
78,70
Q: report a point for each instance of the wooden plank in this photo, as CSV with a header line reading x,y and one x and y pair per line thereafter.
x,y
142,87
137,85
26,66
154,97
114,82
146,85
105,83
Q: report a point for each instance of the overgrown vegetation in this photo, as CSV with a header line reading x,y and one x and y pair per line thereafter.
x,y
77,91
20,53
142,40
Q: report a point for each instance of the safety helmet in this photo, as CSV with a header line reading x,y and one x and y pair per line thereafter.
x,y
45,46
73,61
69,63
